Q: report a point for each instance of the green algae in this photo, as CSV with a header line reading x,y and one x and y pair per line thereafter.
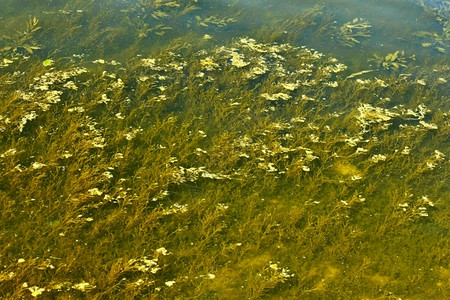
x,y
352,30
22,40
201,168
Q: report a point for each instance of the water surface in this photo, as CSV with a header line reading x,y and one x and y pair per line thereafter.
x,y
224,149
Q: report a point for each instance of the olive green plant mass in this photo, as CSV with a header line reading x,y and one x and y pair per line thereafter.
x,y
164,149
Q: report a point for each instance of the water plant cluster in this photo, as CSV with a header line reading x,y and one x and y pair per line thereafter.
x,y
351,31
437,40
246,168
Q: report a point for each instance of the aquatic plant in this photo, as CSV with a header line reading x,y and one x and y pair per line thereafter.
x,y
350,32
436,40
392,61
23,39
208,169
214,21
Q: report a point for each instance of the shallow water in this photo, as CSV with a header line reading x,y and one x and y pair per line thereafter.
x,y
224,149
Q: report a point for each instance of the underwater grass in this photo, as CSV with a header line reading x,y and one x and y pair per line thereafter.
x,y
246,169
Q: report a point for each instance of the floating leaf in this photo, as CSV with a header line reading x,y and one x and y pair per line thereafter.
x,y
47,62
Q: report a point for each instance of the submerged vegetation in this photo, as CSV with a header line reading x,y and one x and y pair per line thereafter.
x,y
440,40
351,31
189,165
22,40
392,61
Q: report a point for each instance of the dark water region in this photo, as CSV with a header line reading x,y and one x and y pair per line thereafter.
x,y
393,24
240,149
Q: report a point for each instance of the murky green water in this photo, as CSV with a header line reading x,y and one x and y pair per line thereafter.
x,y
224,149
